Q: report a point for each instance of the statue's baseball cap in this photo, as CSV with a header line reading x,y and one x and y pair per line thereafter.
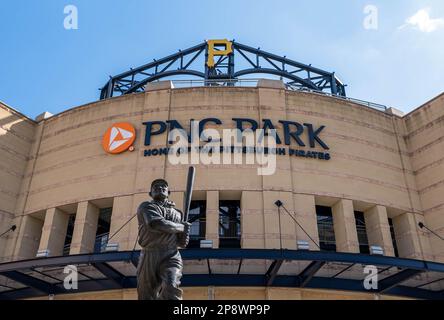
x,y
159,181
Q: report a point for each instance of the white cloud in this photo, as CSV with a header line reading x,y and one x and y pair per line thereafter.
x,y
422,21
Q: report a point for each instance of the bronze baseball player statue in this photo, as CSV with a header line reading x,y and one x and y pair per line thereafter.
x,y
163,229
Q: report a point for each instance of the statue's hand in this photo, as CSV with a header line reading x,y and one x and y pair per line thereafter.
x,y
184,238
186,227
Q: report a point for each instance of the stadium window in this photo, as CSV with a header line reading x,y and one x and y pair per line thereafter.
x,y
36,222
327,240
197,218
229,224
103,227
69,234
392,233
362,233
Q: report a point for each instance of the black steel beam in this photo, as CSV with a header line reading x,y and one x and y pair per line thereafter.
x,y
429,283
193,58
84,286
134,259
240,266
69,260
162,68
272,271
164,74
308,273
280,59
224,280
280,73
384,270
343,270
396,279
110,272
30,281
232,254
7,287
107,90
46,275
158,62
209,267
246,58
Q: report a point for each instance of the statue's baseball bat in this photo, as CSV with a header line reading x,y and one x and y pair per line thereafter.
x,y
189,192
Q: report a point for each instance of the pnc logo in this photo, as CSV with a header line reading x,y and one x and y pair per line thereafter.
x,y
119,138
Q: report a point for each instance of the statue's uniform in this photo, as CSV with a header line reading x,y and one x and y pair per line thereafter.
x,y
160,265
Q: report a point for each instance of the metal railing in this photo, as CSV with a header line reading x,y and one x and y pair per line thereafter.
x,y
99,244
215,83
253,83
369,104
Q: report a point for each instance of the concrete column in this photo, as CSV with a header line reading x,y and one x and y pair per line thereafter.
x,y
133,227
436,220
378,229
305,211
122,212
54,232
85,228
28,239
212,227
345,227
252,220
412,243
5,223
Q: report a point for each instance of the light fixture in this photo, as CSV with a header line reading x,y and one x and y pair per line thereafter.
x,y
376,250
43,253
111,247
303,245
206,244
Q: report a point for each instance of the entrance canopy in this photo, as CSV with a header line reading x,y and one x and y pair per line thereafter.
x,y
283,268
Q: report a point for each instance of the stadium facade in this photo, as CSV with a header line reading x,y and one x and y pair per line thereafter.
x,y
353,179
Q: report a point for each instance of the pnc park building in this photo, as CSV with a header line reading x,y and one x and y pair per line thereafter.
x,y
357,197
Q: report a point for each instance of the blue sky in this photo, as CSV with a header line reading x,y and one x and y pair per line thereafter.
x,y
47,68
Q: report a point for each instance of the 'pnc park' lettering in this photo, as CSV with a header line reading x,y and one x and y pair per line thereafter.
x,y
293,132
